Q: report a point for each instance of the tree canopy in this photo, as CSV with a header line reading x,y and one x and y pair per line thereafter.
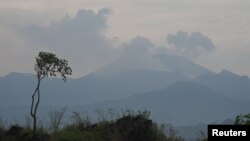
x,y
47,64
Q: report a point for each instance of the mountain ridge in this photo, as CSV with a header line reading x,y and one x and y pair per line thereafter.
x,y
195,102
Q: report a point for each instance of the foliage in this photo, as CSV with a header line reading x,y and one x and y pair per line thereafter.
x,y
18,133
56,119
47,64
167,132
132,126
201,136
242,119
79,121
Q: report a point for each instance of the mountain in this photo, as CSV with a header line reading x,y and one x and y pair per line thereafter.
x,y
170,100
203,97
158,62
124,77
181,65
16,89
183,103
227,83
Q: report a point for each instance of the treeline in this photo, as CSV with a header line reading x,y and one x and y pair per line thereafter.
x,y
124,126
130,126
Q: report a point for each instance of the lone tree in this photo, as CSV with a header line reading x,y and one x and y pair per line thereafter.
x,y
47,65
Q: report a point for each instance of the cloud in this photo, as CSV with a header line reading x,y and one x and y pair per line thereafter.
x,y
85,28
192,44
79,38
137,46
135,55
138,54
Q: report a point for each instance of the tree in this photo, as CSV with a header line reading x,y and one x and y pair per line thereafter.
x,y
242,119
47,65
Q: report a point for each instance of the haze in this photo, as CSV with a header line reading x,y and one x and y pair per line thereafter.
x,y
91,34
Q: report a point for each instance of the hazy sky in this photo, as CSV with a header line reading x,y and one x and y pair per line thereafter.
x,y
92,33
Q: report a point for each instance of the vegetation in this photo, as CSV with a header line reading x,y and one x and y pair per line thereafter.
x,y
47,64
242,119
136,126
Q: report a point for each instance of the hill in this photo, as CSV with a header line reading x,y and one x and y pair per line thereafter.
x,y
183,103
227,83
16,89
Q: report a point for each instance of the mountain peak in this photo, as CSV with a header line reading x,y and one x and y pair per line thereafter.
x,y
17,74
181,65
225,72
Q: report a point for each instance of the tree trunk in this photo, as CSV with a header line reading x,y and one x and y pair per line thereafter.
x,y
33,109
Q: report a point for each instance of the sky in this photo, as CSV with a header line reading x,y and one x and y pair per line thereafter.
x,y
93,33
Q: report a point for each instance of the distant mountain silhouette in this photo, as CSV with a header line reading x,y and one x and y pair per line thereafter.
x,y
227,83
182,65
183,103
128,78
204,96
16,89
158,62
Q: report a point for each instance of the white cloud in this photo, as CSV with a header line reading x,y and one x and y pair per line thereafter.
x,y
79,38
226,22
135,55
191,45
